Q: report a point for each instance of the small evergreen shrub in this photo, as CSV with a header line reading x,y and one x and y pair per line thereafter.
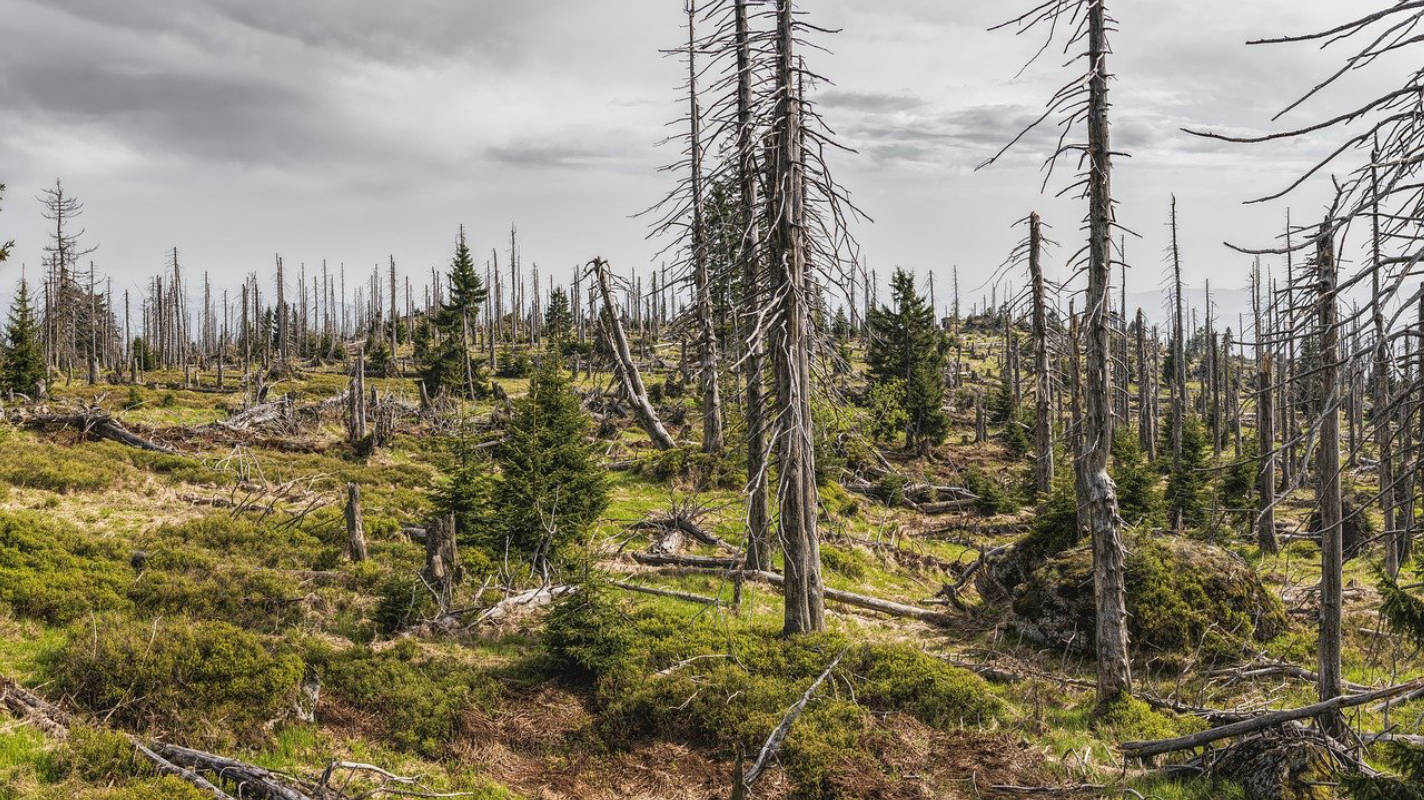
x,y
208,680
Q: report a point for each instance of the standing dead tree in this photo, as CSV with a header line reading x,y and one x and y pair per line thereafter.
x,y
1083,104
684,213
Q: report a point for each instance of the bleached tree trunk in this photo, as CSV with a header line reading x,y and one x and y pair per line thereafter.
x,y
712,436
1043,422
1109,555
1328,467
356,401
791,348
1146,422
758,512
1179,348
1265,431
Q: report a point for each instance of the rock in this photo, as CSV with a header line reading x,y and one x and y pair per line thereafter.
x,y
1183,598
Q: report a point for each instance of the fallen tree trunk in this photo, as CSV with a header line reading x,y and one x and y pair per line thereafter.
x,y
251,780
865,601
1267,720
672,560
96,424
656,592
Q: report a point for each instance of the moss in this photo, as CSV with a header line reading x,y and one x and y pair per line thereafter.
x,y
208,681
1129,718
168,788
1182,597
43,465
660,675
97,755
417,700
847,562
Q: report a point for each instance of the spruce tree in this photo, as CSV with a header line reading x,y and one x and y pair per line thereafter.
x,y
906,345
1187,482
558,320
446,366
550,489
23,358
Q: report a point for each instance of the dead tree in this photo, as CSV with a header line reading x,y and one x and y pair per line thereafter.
x,y
791,345
1265,430
356,399
442,566
1179,344
355,529
624,366
1146,418
749,257
1331,550
1085,99
1043,375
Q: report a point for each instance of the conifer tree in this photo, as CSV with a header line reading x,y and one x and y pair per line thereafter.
x,y
550,488
1187,482
447,365
906,345
23,355
558,320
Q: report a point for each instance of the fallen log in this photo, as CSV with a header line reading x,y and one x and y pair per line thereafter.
x,y
166,767
674,560
1145,749
96,424
251,780
675,595
864,601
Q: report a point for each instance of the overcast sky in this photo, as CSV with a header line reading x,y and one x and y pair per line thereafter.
x,y
353,129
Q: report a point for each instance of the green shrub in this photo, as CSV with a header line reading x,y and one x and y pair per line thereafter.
x,y
847,562
51,571
418,700
97,755
64,470
209,680
1139,495
993,498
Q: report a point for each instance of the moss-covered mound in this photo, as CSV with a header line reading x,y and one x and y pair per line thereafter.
x,y
665,675
1183,597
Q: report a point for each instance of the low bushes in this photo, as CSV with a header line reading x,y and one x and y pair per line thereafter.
x,y
52,572
206,680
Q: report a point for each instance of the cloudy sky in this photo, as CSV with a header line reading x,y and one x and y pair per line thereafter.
x,y
348,130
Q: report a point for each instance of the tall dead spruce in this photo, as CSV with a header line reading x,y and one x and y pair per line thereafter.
x,y
1085,99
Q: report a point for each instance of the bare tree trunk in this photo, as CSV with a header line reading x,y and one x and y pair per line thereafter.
x,y
1265,431
356,401
791,349
624,365
758,512
1100,501
1179,348
712,436
1043,423
1329,481
1146,429
355,530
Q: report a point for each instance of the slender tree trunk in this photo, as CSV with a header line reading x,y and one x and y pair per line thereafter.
x,y
1331,551
1146,433
791,349
1100,500
1043,422
758,512
712,436
1179,347
1265,431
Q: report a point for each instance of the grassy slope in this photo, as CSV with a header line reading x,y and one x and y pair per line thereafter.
x,y
511,730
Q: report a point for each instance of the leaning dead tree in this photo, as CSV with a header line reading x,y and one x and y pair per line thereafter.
x,y
1082,104
624,365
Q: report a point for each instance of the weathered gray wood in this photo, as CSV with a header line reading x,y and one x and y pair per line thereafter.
x,y
1328,469
355,529
625,367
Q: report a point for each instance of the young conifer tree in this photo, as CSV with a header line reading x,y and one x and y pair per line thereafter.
x,y
23,355
906,346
